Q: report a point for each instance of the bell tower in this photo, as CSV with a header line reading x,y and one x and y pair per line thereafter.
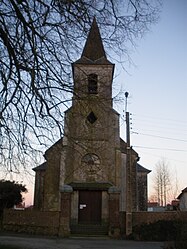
x,y
93,73
91,124
91,144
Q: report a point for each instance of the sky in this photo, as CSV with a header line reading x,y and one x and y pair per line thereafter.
x,y
157,86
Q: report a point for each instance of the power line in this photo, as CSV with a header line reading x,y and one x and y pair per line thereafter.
x,y
159,124
158,118
179,132
144,134
166,157
155,148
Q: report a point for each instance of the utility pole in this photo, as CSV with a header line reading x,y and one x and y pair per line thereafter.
x,y
128,174
128,129
127,120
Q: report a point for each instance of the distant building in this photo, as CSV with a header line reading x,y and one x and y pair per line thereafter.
x,y
153,206
183,200
175,204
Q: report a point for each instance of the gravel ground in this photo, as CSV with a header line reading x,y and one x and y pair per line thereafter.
x,y
76,243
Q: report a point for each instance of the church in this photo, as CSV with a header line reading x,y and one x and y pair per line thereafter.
x,y
91,162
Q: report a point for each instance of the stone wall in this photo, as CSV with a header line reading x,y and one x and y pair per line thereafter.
x,y
142,191
52,176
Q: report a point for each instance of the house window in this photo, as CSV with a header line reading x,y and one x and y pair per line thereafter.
x,y
92,83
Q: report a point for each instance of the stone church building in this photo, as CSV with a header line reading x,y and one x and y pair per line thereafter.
x,y
91,162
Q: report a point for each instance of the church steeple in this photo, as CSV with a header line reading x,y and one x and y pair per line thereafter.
x,y
93,73
93,52
93,48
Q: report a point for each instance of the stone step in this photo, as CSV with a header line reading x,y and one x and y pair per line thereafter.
x,y
82,229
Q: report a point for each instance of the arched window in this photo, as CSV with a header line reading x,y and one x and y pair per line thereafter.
x,y
92,83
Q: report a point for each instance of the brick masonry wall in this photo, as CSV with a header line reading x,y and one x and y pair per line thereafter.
x,y
31,221
49,223
139,218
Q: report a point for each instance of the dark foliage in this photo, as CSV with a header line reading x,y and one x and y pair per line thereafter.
x,y
10,194
181,241
162,230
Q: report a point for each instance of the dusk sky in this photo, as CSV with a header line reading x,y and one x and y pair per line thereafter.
x,y
157,85
158,93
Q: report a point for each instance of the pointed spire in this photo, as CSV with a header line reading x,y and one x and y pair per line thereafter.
x,y
93,51
93,48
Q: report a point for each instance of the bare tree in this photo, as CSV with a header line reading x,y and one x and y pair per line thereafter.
x,y
38,41
162,182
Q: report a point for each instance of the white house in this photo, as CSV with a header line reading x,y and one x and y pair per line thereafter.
x,y
183,200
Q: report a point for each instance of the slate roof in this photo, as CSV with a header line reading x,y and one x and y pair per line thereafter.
x,y
93,52
123,147
41,167
141,169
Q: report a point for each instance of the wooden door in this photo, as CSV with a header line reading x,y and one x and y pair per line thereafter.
x,y
90,207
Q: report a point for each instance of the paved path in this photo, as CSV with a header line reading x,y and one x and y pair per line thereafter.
x,y
76,243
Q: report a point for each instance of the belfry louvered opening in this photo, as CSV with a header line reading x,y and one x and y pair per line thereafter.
x,y
92,84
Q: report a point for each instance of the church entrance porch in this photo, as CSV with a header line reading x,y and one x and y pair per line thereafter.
x,y
89,209
89,214
90,203
95,209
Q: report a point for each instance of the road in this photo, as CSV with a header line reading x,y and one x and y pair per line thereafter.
x,y
76,243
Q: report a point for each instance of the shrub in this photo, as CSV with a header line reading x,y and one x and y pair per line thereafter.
x,y
161,230
181,240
